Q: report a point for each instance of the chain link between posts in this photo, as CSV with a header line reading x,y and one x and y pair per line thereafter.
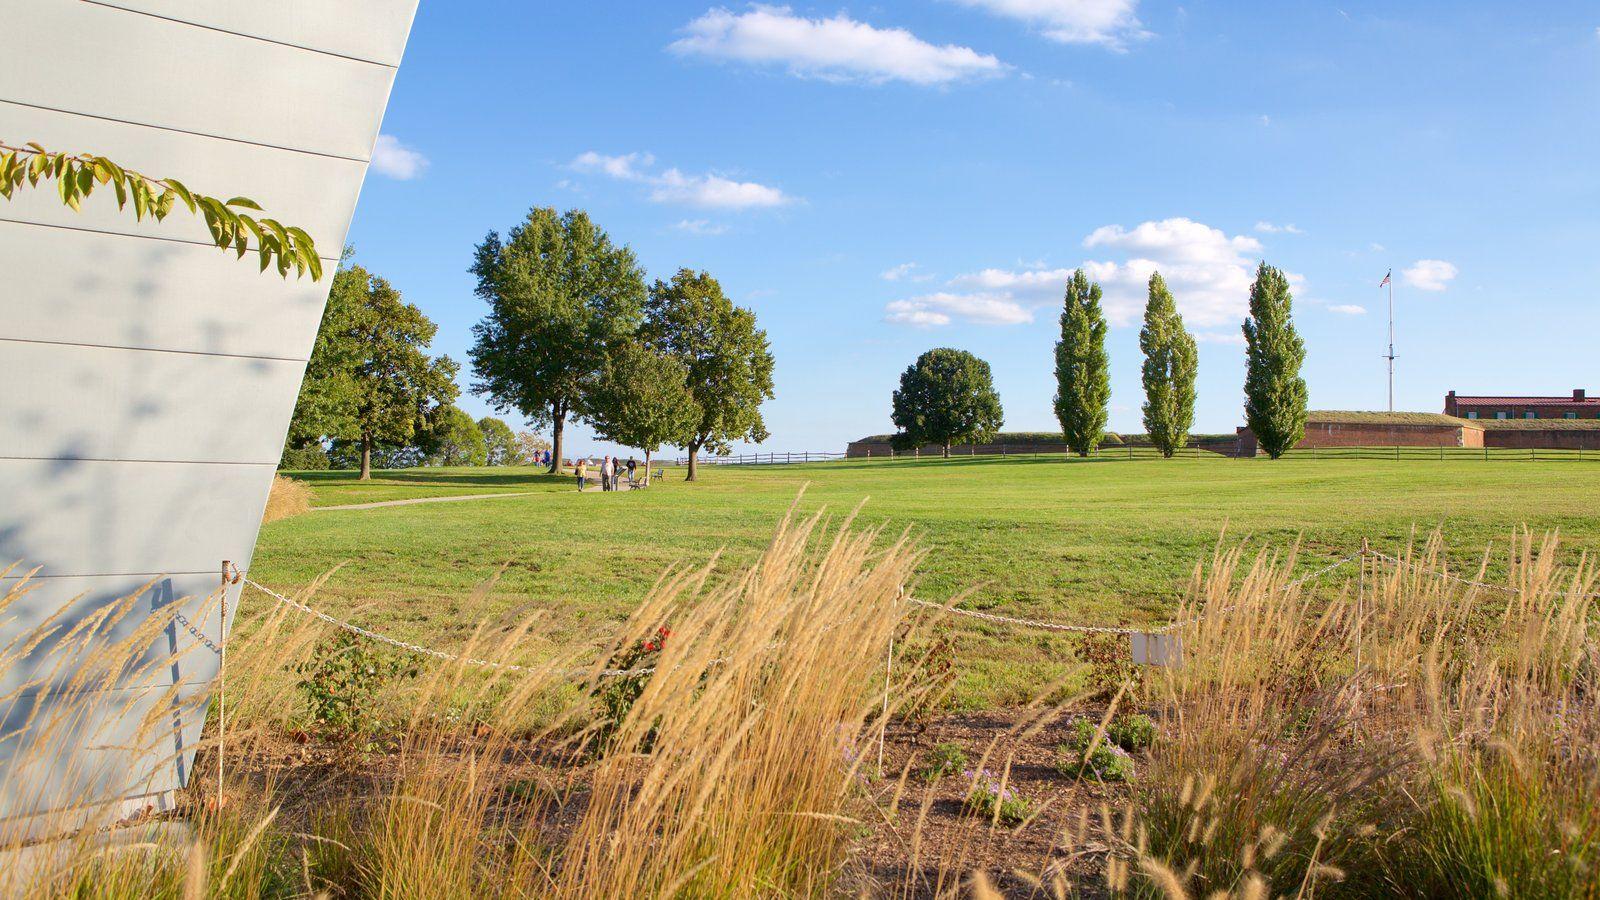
x,y
995,618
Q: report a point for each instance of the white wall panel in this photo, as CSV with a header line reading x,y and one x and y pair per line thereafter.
x,y
172,655
74,402
316,193
130,340
365,29
153,294
157,72
76,517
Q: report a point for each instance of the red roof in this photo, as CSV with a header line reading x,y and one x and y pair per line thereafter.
x,y
1528,401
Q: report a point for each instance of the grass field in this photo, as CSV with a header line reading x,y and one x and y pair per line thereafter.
x,y
1093,542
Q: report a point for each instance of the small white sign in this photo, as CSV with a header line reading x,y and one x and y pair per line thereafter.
x,y
1157,649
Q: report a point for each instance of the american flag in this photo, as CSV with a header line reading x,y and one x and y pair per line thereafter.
x,y
1385,278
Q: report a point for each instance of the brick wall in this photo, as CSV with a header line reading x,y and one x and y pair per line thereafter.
x,y
1375,434
1542,438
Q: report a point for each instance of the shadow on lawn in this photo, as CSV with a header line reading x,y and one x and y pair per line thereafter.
x,y
510,477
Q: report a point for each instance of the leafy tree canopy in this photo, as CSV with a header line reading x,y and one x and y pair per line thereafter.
x,y
947,396
452,438
370,382
561,296
727,358
643,400
500,442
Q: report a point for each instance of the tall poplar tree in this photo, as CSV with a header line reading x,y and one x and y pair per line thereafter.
x,y
1170,361
1275,394
561,297
1083,375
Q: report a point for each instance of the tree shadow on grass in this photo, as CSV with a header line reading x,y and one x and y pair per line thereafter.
x,y
508,477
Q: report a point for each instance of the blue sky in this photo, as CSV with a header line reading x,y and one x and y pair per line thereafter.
x,y
878,180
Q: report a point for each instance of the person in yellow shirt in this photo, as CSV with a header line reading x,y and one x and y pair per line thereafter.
x,y
583,470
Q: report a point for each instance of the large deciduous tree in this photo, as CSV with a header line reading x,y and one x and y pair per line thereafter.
x,y
726,355
500,442
392,383
1275,394
945,397
452,438
643,400
1083,369
561,297
1170,362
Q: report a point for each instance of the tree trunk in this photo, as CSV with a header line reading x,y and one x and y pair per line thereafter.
x,y
559,416
647,468
946,449
694,454
366,458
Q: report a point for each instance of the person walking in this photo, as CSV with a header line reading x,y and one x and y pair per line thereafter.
x,y
632,465
608,471
582,469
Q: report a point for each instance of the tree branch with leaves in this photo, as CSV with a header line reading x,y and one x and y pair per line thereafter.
x,y
77,176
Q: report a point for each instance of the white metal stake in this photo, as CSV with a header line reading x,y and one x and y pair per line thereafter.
x,y
222,681
883,727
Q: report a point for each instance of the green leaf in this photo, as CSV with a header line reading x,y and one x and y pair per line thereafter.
x,y
36,147
244,202
122,192
268,242
184,193
102,169
141,200
164,204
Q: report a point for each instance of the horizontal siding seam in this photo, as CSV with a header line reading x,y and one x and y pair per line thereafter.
x,y
143,237
241,34
160,462
288,359
171,130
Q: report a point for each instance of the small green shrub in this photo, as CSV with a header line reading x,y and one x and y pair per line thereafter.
x,y
1108,762
945,759
1133,732
988,799
343,683
618,694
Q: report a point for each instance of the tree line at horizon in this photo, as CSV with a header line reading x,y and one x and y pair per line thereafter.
x,y
572,333
947,396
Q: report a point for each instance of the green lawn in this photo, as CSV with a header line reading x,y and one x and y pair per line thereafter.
x,y
1095,542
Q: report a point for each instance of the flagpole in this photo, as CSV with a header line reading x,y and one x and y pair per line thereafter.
x,y
1389,279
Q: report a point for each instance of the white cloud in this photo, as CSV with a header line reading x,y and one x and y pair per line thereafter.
x,y
627,167
1266,227
1109,23
396,160
1375,247
1229,338
710,190
895,273
838,48
1348,309
1208,271
942,308
1265,120
1429,274
700,227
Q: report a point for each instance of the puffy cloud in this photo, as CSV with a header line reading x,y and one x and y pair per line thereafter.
x,y
1208,271
700,227
1348,309
1266,227
710,191
396,160
1430,274
1109,23
837,48
942,308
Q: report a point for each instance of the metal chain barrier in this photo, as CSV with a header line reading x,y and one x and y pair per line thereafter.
x,y
427,651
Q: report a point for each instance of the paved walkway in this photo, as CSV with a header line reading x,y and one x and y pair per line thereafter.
x,y
414,500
